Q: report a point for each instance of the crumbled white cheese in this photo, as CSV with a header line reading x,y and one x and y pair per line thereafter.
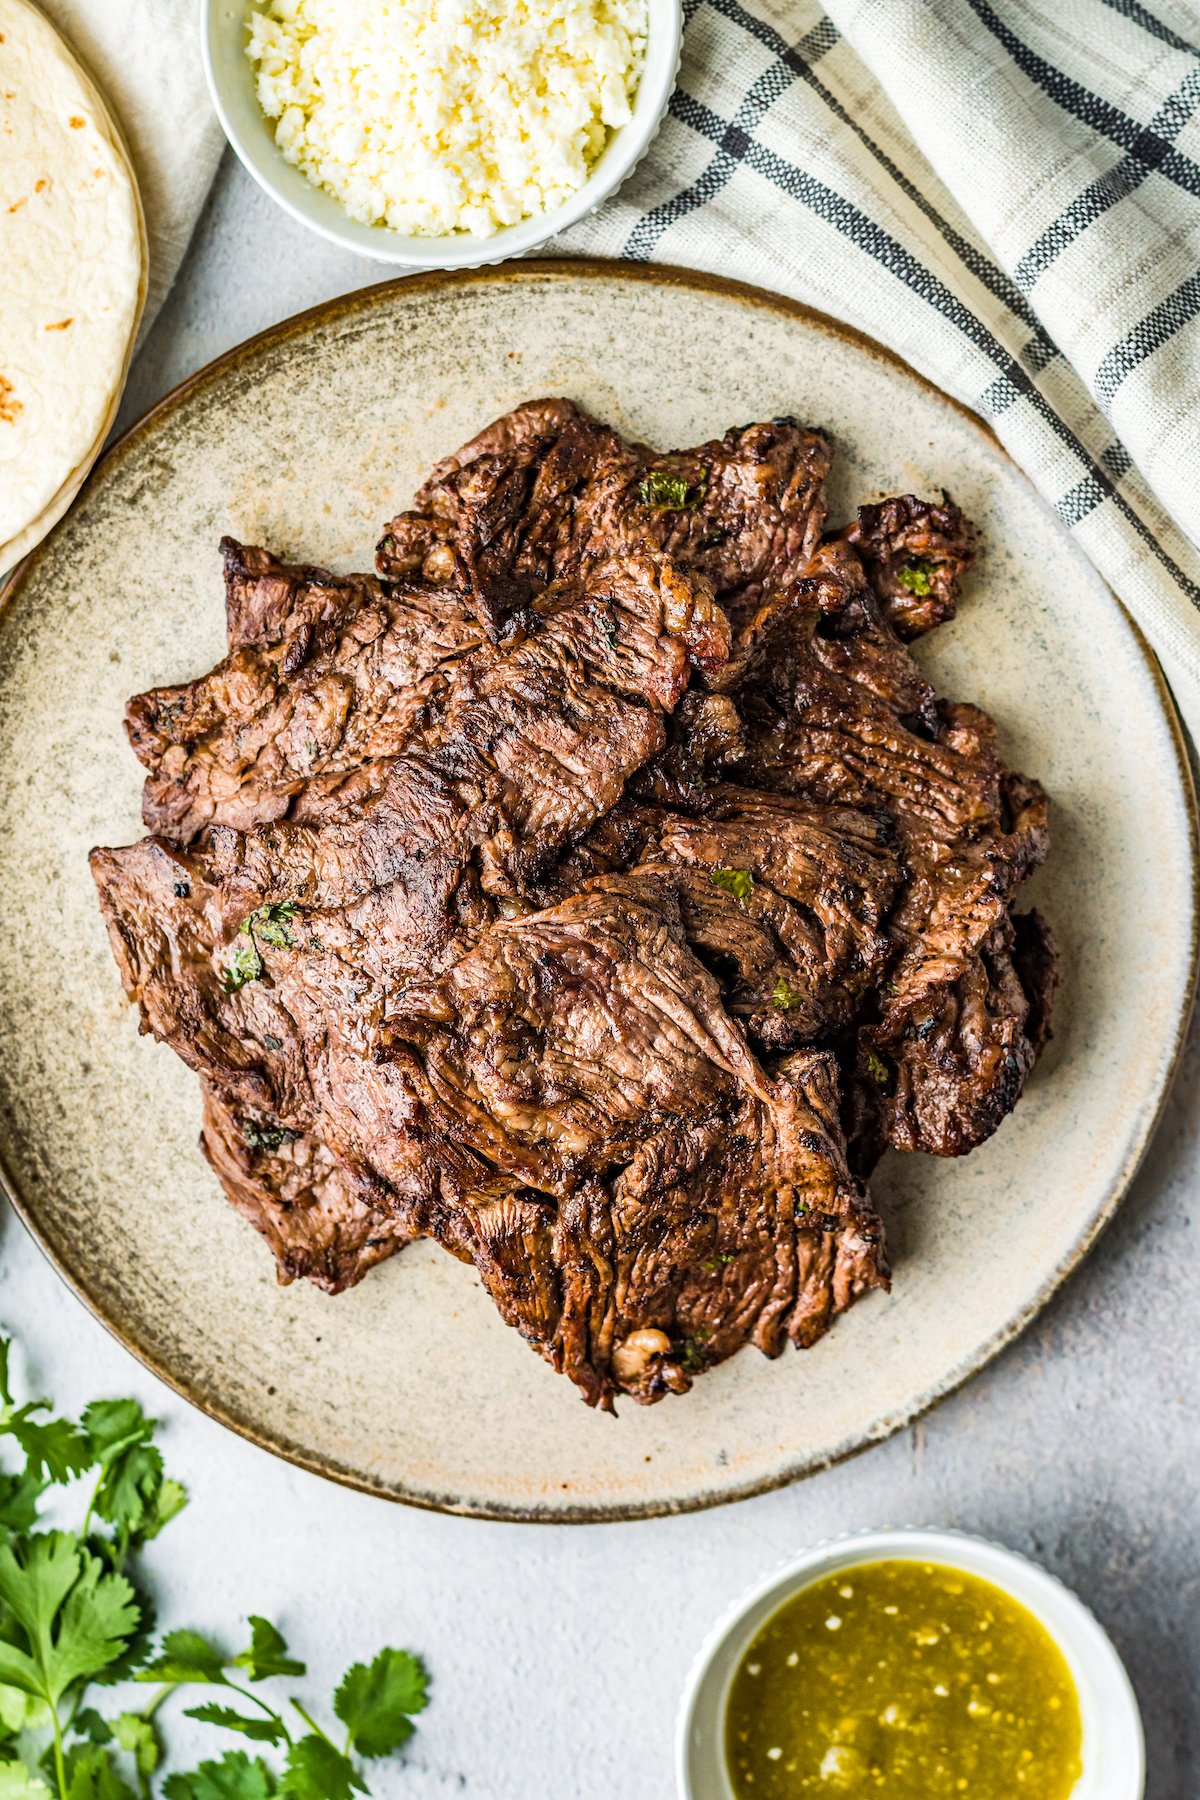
x,y
438,116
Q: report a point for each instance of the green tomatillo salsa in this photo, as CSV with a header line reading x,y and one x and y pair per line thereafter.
x,y
910,1680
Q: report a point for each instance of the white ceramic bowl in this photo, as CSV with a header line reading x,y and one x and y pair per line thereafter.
x,y
1113,1746
231,83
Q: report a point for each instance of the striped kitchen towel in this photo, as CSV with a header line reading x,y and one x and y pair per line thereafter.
x,y
1007,192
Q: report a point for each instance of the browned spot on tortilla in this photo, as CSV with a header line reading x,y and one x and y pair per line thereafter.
x,y
10,406
75,122
18,204
61,326
39,185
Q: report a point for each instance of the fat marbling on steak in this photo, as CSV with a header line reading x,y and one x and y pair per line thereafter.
x,y
597,889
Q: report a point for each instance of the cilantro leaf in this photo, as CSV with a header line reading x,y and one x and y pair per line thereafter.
x,y
236,1777
16,1783
879,1069
267,1137
270,923
111,1425
244,965
99,1617
138,1646
738,882
260,1730
665,491
376,1702
20,1711
19,1496
915,576
54,1447
87,1723
186,1656
92,1775
168,1504
267,1654
316,1771
129,1495
20,1671
137,1736
36,1575
784,995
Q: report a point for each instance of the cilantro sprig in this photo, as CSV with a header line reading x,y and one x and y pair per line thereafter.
x,y
375,1702
74,1619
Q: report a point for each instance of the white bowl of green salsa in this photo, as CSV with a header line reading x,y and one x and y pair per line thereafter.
x,y
919,1664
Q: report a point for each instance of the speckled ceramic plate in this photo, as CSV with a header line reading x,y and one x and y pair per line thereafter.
x,y
410,1386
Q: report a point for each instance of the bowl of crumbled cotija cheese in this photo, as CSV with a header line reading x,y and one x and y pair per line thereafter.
x,y
441,133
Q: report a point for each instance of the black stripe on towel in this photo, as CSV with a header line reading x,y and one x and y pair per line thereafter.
x,y
1114,185
1138,15
1157,328
1140,142
797,60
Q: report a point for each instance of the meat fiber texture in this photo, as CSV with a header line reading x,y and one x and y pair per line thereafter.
x,y
598,888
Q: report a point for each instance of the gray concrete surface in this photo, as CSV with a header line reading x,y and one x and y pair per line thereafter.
x,y
558,1653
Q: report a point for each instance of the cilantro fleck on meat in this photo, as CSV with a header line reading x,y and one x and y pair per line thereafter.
x,y
879,1069
607,624
916,577
692,1355
272,924
267,1137
245,965
665,491
738,882
784,995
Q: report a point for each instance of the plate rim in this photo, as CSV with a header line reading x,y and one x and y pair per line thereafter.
x,y
364,300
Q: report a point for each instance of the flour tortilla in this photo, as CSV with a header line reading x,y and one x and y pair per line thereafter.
x,y
73,252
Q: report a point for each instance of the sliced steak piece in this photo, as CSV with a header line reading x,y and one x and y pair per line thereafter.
x,y
827,727
544,491
656,1199
949,1061
915,553
788,903
522,746
318,1216
268,601
338,678
159,917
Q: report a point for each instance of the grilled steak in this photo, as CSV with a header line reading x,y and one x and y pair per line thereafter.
x,y
323,675
319,1216
596,889
548,489
585,1054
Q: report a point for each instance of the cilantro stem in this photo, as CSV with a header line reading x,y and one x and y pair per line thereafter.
x,y
152,1705
91,1506
261,1704
312,1724
60,1766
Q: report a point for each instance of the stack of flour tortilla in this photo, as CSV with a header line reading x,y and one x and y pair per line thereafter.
x,y
72,275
